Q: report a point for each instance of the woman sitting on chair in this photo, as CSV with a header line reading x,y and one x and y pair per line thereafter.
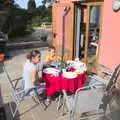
x,y
31,78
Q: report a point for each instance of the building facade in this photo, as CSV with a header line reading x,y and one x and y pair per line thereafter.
x,y
88,30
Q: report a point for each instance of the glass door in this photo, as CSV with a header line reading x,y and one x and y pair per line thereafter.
x,y
93,37
87,37
80,31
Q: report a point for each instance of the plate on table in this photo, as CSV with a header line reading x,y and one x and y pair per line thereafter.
x,y
51,71
70,75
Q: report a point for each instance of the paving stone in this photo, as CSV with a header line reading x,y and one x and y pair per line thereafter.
x,y
28,110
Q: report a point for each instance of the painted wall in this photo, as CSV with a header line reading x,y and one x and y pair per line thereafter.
x,y
110,37
63,24
58,29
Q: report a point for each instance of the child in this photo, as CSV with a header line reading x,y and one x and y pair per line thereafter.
x,y
52,57
30,73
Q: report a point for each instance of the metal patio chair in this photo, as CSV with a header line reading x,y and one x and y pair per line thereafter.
x,y
111,92
85,103
19,94
92,100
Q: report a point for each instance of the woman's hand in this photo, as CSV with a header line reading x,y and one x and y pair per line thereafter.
x,y
36,79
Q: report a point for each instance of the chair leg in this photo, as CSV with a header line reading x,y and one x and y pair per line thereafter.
x,y
59,104
39,101
13,111
110,106
34,100
70,116
108,117
17,102
64,112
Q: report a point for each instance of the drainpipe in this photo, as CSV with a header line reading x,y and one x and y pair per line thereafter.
x,y
66,10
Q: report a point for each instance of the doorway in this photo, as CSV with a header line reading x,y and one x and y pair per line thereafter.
x,y
87,33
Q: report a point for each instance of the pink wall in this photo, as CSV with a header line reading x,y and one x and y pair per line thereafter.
x,y
59,12
110,37
64,35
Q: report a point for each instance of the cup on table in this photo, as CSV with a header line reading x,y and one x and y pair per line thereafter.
x,y
63,70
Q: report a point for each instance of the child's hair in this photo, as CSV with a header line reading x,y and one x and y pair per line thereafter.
x,y
32,53
51,47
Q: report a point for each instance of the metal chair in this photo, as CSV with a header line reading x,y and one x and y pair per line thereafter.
x,y
111,82
19,94
86,102
111,92
95,97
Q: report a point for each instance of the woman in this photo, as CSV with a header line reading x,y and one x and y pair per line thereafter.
x,y
30,74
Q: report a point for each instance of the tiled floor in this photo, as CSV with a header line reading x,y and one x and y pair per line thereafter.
x,y
28,109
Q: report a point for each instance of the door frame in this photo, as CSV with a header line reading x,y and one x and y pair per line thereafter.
x,y
89,4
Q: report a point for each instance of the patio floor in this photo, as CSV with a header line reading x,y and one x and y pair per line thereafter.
x,y
28,109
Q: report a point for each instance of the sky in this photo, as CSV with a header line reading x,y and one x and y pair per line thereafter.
x,y
23,3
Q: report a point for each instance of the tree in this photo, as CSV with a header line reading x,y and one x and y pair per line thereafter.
x,y
6,3
49,12
5,6
48,1
13,19
31,5
32,8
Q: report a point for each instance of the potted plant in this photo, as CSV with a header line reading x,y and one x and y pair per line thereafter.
x,y
2,57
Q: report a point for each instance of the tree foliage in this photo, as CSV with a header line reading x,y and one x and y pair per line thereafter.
x,y
43,13
31,5
13,20
6,3
48,1
32,9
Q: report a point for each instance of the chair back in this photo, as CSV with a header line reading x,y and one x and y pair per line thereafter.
x,y
114,78
87,99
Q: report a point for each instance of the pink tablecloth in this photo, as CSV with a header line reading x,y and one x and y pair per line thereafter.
x,y
57,83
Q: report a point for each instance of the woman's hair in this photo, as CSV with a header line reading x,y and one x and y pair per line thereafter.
x,y
51,47
32,54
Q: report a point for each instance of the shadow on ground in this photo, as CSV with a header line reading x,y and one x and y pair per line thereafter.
x,y
5,113
2,108
9,113
1,68
115,115
18,115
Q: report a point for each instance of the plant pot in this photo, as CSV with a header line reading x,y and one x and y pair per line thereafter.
x,y
2,57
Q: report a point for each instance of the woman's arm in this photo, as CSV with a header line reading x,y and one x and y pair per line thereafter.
x,y
36,79
34,74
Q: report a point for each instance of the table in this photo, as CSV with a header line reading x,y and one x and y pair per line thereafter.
x,y
57,83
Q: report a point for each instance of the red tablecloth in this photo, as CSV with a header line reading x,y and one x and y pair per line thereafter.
x,y
57,83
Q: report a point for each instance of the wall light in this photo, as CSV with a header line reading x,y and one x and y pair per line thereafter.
x,y
66,8
116,5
